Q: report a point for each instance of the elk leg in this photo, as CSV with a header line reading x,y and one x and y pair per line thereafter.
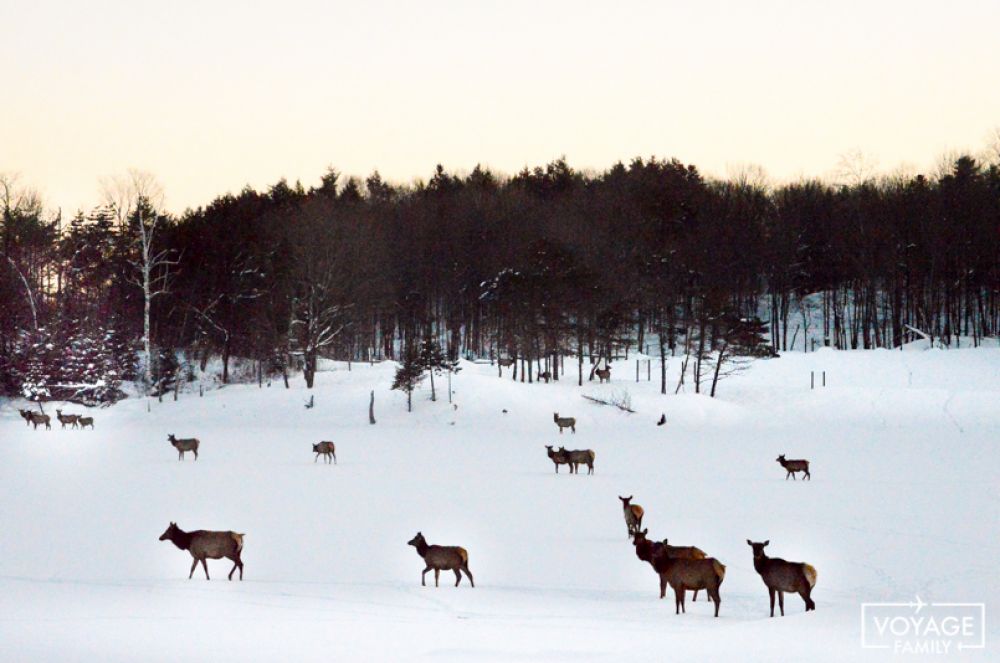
x,y
781,602
423,583
437,574
663,586
465,567
680,593
574,429
695,597
805,594
334,459
677,600
809,476
458,576
316,459
194,565
715,597
771,592
204,565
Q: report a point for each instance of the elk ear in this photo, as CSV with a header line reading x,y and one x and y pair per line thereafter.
x,y
748,542
767,542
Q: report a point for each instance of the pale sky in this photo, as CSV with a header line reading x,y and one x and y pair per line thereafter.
x,y
210,96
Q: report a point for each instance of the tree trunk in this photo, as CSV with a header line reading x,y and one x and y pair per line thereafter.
x,y
371,408
433,393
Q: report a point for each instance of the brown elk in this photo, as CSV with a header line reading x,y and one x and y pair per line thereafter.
x,y
781,576
506,363
604,375
690,574
564,422
438,558
67,418
558,457
183,445
578,457
633,515
26,415
327,449
544,375
648,551
37,419
85,421
204,544
793,466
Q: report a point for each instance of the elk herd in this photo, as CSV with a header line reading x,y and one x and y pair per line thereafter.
x,y
683,568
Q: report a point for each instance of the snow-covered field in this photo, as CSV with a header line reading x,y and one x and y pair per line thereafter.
x,y
904,501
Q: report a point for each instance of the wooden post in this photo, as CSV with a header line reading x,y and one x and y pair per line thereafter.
x,y
824,378
812,380
637,371
371,409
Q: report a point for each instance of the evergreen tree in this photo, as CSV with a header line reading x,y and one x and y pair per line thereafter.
x,y
408,376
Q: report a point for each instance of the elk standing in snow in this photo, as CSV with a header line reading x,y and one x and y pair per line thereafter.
x,y
793,466
604,375
85,421
564,422
781,576
204,544
558,457
448,558
648,551
37,419
67,418
693,574
183,445
584,456
633,515
327,449
26,415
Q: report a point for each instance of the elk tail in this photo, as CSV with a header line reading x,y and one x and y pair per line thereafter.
x,y
810,573
465,555
238,538
720,569
593,456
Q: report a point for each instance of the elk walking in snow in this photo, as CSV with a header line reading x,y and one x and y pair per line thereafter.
x,y
26,415
183,445
67,418
564,422
578,457
558,457
633,515
85,421
781,576
204,544
793,466
438,558
690,574
327,449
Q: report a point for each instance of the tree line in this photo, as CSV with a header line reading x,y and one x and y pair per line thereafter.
x,y
552,268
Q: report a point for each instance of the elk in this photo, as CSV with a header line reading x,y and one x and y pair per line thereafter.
x,y
26,415
558,457
604,375
648,551
564,422
67,418
184,445
693,574
576,457
204,544
37,419
448,558
506,363
633,515
544,375
781,576
85,421
793,466
327,449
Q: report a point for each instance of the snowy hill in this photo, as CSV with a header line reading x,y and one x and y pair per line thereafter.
x,y
904,501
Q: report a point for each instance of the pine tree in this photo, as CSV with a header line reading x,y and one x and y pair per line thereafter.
x,y
433,360
408,376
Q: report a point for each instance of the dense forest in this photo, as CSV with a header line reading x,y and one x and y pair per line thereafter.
x,y
551,262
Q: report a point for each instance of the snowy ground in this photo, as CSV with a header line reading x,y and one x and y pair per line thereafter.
x,y
904,501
